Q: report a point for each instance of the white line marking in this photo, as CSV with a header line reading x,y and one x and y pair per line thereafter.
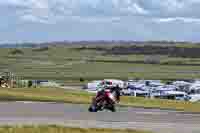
x,y
31,102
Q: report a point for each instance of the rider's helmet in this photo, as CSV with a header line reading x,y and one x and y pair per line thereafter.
x,y
104,85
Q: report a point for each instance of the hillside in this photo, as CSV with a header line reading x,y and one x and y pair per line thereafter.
x,y
70,63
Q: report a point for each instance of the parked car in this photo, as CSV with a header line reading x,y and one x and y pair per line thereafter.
x,y
174,95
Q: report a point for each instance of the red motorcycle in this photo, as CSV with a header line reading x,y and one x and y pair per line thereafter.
x,y
105,99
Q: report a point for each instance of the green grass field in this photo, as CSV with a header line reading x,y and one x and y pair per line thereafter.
x,y
82,97
59,129
69,64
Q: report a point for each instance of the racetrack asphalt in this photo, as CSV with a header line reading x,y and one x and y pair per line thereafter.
x,y
155,120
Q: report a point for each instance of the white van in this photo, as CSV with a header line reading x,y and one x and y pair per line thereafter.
x,y
113,83
93,85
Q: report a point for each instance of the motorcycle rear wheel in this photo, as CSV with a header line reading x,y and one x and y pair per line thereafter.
x,y
112,108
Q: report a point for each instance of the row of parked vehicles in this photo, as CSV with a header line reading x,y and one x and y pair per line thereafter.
x,y
177,90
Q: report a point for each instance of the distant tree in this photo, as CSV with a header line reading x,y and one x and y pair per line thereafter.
x,y
81,79
41,49
153,59
30,83
17,51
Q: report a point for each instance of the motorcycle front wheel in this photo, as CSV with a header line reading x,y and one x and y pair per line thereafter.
x,y
92,109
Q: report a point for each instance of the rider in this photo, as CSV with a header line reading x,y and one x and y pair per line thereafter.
x,y
102,88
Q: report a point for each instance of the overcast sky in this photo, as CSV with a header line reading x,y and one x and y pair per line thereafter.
x,y
58,20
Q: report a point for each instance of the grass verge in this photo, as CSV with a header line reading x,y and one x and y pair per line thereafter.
x,y
59,129
81,97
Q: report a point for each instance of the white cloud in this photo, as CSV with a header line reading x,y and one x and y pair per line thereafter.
x,y
133,9
139,9
130,7
174,5
70,8
96,19
181,19
114,8
102,18
33,18
27,3
94,10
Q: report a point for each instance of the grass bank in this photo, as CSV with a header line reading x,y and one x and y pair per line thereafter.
x,y
59,129
71,64
81,97
45,95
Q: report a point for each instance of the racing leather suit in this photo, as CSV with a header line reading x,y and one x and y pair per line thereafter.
x,y
102,89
